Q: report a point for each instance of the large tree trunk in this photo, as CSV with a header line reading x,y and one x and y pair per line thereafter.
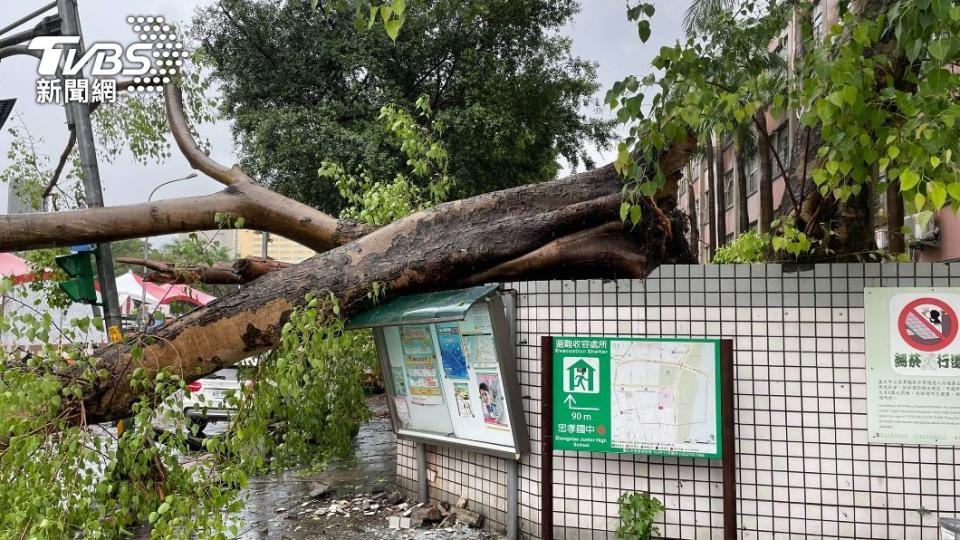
x,y
711,198
896,243
743,220
766,174
721,186
511,233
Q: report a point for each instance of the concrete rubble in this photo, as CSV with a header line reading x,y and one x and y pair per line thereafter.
x,y
398,514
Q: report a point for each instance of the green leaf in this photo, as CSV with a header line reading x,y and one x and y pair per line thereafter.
x,y
940,48
643,29
393,28
908,180
937,193
648,188
938,80
954,190
934,161
836,98
941,8
850,94
918,201
399,6
861,35
624,210
635,214
893,152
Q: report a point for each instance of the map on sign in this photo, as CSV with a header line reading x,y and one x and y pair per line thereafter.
x,y
651,396
664,396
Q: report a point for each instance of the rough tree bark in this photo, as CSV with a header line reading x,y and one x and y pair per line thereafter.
x,y
896,243
766,173
567,227
743,218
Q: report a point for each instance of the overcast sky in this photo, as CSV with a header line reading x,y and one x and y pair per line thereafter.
x,y
600,33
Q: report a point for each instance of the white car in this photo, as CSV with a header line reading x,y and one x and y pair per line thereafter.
x,y
206,400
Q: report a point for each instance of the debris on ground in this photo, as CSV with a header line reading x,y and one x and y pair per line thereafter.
x,y
355,499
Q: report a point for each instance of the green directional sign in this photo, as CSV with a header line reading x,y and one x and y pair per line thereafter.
x,y
647,396
81,288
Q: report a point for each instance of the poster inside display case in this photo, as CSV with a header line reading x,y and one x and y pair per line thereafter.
x,y
448,366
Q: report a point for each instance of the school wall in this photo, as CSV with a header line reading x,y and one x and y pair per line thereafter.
x,y
804,467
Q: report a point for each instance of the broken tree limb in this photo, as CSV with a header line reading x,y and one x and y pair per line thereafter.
x,y
55,229
109,224
238,272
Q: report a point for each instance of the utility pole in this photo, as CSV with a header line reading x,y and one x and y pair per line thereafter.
x,y
78,117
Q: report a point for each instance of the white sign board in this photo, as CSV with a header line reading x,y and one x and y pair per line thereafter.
x,y
913,365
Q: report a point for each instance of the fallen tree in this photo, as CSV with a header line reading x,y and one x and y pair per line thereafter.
x,y
567,227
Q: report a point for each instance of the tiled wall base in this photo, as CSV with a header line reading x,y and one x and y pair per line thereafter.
x,y
804,469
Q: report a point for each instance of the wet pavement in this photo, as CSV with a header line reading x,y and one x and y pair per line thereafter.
x,y
357,505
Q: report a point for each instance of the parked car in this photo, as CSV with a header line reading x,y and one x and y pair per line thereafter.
x,y
206,401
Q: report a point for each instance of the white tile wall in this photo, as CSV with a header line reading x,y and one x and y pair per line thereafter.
x,y
804,470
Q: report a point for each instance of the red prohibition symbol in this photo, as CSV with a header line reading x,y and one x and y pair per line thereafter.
x,y
928,324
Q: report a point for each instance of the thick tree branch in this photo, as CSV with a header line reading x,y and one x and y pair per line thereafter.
x,y
606,244
233,273
71,142
298,219
109,224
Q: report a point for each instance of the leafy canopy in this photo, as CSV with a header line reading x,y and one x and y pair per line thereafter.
x,y
882,90
304,86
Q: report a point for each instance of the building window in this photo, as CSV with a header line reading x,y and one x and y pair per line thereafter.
x,y
753,173
704,208
817,21
728,189
779,144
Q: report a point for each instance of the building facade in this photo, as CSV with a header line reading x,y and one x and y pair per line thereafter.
x,y
242,243
931,243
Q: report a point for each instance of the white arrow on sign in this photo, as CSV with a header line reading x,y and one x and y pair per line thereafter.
x,y
570,402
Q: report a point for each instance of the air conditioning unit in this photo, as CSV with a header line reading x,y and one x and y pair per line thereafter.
x,y
922,236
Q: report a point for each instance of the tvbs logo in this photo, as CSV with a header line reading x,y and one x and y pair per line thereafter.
x,y
147,63
103,59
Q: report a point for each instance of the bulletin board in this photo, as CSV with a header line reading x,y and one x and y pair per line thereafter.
x,y
448,367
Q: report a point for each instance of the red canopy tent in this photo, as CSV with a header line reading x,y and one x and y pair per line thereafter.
x,y
17,269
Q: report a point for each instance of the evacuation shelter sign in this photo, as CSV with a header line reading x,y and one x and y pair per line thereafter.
x,y
645,396
913,365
